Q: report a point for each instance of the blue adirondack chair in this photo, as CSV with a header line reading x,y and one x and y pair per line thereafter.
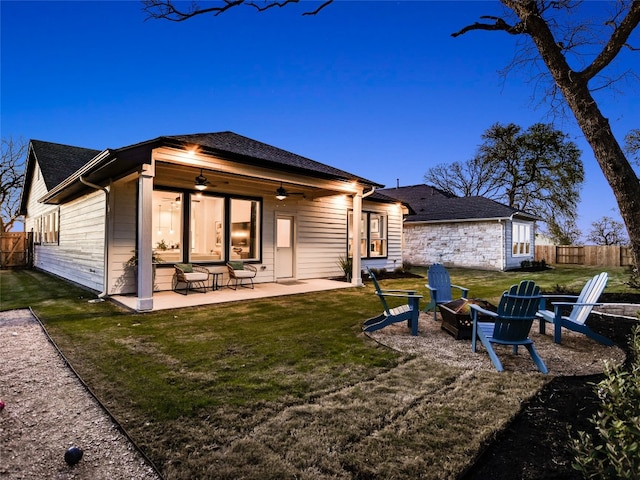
x,y
409,311
512,323
580,309
440,288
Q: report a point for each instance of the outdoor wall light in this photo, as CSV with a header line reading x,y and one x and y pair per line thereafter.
x,y
201,182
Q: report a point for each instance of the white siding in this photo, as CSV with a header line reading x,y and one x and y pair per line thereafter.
x,y
34,208
79,254
122,242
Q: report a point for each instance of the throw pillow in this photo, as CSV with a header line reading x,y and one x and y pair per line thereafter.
x,y
185,267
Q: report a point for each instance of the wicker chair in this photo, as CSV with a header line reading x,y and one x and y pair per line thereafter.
x,y
239,272
193,276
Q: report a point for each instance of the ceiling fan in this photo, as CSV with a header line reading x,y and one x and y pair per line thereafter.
x,y
282,193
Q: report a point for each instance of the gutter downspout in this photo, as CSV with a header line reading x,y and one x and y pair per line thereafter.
x,y
104,293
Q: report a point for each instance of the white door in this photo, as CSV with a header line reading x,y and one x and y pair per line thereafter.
x,y
284,247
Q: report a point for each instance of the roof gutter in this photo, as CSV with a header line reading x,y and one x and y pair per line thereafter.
x,y
370,192
105,190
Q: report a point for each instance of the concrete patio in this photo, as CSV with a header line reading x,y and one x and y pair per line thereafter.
x,y
169,299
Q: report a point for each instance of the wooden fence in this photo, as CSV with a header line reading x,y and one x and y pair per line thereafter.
x,y
604,256
15,250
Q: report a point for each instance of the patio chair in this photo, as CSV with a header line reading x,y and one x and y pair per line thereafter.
x,y
409,312
440,288
239,272
511,325
581,307
191,275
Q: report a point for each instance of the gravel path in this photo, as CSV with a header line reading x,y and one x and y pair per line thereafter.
x,y
47,410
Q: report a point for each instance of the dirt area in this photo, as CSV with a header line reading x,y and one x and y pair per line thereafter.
x,y
48,409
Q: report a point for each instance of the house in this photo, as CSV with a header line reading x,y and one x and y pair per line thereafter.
x,y
117,220
473,232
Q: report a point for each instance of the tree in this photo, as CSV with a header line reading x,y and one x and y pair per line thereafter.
x,y
548,36
632,144
537,170
563,231
11,179
607,231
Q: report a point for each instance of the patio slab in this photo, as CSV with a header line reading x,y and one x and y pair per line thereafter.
x,y
169,299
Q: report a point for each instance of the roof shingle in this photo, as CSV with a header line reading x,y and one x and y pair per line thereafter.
x,y
432,204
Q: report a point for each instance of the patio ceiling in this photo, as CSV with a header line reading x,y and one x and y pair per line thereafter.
x,y
183,177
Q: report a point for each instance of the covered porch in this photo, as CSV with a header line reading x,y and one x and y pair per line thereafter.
x,y
169,299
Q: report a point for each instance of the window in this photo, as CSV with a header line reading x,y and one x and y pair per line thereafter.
x,y
167,225
245,229
207,229
521,238
200,228
377,235
49,227
373,235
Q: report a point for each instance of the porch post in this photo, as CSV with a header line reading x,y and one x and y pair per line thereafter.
x,y
145,251
356,275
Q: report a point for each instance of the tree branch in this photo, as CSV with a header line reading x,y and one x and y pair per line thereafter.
x,y
499,25
617,40
167,9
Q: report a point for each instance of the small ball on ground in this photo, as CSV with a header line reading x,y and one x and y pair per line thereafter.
x,y
73,455
1,405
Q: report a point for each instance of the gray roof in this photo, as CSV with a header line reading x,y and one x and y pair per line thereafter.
x,y
60,164
433,205
247,150
57,162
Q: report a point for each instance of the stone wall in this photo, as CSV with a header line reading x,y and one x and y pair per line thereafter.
x,y
464,244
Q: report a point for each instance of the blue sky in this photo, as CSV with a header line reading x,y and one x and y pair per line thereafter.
x,y
377,88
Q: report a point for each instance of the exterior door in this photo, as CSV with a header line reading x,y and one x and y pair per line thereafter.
x,y
284,247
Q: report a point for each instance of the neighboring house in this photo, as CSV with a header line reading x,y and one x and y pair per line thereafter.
x,y
203,198
470,232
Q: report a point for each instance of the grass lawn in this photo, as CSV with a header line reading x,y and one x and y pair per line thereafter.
x,y
286,387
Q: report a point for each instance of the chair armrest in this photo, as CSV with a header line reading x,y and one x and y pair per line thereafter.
x,y
248,266
431,289
558,305
179,274
201,269
551,297
575,304
400,295
412,292
460,288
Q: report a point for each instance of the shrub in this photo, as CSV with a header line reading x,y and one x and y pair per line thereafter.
x,y
613,451
346,264
634,277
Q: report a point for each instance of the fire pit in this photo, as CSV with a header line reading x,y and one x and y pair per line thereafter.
x,y
456,318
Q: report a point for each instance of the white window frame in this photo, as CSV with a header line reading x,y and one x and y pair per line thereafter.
x,y
373,235
49,227
521,239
